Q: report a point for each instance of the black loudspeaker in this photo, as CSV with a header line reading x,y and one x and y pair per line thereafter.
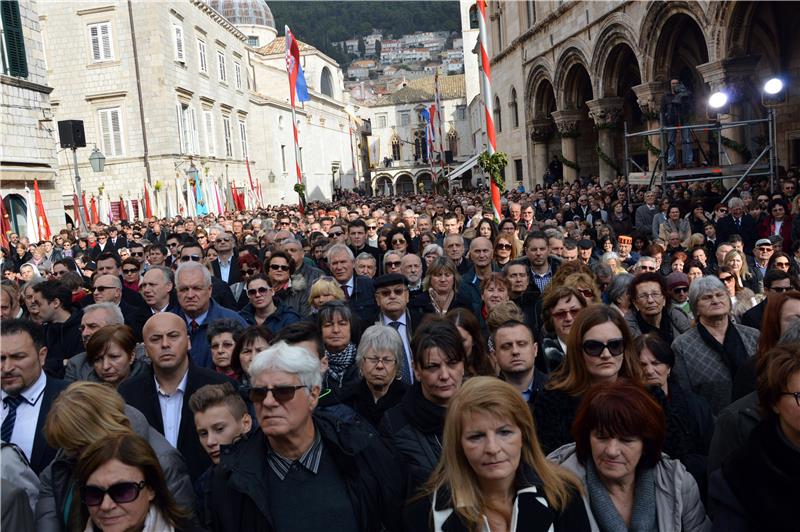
x,y
448,157
71,134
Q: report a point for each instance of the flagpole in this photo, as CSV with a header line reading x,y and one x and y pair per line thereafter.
x,y
488,106
438,100
289,37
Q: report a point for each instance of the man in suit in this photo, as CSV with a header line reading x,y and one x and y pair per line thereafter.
x,y
515,354
391,293
104,245
738,223
115,239
226,265
775,282
108,289
162,392
198,310
359,292
220,291
109,264
27,393
157,288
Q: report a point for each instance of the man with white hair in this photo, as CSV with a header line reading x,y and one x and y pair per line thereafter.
x,y
359,292
303,470
738,223
198,310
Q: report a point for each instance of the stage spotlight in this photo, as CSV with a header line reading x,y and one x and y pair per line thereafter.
x,y
718,100
773,86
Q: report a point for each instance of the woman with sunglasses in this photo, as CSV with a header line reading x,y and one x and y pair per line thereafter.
x,y
599,349
249,265
131,274
121,487
504,250
560,306
264,309
399,239
291,291
780,260
83,414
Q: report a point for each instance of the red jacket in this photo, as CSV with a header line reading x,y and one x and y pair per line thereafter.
x,y
767,228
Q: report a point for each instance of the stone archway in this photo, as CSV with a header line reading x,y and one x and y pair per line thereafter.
x,y
540,105
424,182
384,186
404,184
578,138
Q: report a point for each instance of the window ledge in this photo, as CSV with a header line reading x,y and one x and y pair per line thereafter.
x,y
103,64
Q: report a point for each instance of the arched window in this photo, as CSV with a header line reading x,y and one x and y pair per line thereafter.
x,y
16,207
396,148
498,119
326,83
514,108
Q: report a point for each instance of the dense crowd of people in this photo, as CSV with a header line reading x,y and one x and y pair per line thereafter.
x,y
605,357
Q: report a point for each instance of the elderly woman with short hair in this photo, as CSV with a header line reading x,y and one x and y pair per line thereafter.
x,y
708,356
379,358
617,293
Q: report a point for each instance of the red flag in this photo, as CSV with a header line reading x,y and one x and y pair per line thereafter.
x,y
41,215
85,208
123,214
95,216
75,209
5,224
148,210
247,164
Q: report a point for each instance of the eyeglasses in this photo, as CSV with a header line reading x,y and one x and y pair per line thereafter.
x,y
781,264
726,279
120,493
62,272
193,258
130,271
764,249
101,289
386,292
562,314
680,289
399,241
586,293
388,362
137,254
248,271
260,290
595,348
780,289
285,223
723,211
503,246
198,237
655,296
281,267
372,227
796,396
336,233
394,264
282,394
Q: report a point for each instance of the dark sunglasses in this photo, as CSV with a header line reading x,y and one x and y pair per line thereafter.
x,y
399,241
726,279
260,290
281,267
285,223
248,271
386,292
680,289
139,254
372,227
595,348
503,246
394,264
336,233
282,394
130,271
193,258
101,289
120,493
561,314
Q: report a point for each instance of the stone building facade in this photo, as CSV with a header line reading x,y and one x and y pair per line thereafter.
x,y
568,74
28,149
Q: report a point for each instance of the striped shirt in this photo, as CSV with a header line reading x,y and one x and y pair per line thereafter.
x,y
309,460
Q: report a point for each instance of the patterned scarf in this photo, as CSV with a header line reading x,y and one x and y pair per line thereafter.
x,y
339,362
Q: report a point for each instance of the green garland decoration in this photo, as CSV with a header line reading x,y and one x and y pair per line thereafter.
x,y
493,165
607,125
572,164
652,149
606,159
737,147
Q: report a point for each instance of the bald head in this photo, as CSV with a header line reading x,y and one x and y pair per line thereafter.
x,y
166,341
107,289
480,252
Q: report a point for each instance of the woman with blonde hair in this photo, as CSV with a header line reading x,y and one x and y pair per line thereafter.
x,y
736,260
323,290
84,413
492,474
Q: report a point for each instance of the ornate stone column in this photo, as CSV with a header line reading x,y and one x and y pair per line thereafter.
x,y
567,124
648,96
606,113
731,76
541,131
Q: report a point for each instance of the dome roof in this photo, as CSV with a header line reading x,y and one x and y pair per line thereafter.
x,y
245,12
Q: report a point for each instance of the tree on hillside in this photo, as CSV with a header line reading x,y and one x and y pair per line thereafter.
x,y
378,48
362,47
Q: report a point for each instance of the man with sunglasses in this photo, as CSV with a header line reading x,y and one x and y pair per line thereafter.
x,y
162,391
110,264
136,251
775,282
226,265
678,290
304,470
391,293
108,289
173,246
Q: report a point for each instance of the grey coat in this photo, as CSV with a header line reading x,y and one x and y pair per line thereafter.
x,y
702,370
678,504
57,477
79,369
679,320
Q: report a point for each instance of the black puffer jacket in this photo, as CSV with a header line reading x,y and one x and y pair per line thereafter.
x,y
63,340
239,501
414,428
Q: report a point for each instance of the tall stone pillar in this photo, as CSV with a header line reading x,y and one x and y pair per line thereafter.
x,y
606,113
541,131
567,124
730,76
648,96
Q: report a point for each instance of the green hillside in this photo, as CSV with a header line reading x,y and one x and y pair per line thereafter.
x,y
321,23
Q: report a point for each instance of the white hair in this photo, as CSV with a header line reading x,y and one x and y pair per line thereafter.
x,y
113,312
339,248
189,266
288,359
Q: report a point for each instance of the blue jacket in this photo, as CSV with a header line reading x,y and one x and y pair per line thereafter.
x,y
200,352
284,315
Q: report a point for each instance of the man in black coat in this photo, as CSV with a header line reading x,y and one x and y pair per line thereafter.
x,y
62,337
775,281
303,471
226,265
392,296
359,292
27,393
738,223
515,354
162,393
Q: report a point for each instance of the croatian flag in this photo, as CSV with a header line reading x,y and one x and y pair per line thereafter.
x,y
297,80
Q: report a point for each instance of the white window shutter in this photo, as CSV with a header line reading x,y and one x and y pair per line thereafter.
x,y
201,53
238,69
94,34
209,119
195,135
105,131
105,40
243,138
179,52
179,114
116,130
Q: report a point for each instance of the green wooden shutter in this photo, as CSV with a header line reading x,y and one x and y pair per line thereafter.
x,y
15,39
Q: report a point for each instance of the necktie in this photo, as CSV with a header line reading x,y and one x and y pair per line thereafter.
x,y
739,223
194,326
12,401
344,289
405,369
